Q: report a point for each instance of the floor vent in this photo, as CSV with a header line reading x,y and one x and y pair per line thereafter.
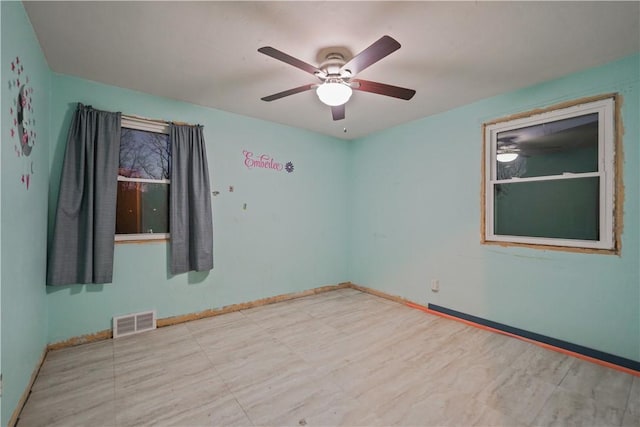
x,y
134,323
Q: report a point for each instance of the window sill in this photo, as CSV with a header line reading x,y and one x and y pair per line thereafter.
x,y
615,251
141,238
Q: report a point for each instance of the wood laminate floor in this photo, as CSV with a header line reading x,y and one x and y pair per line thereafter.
x,y
337,358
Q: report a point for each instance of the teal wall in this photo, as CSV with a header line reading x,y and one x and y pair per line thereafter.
x,y
23,212
290,238
1,138
415,216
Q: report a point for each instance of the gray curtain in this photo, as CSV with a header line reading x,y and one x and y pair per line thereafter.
x,y
190,218
82,245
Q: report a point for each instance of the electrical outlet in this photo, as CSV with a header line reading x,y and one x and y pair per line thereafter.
x,y
435,285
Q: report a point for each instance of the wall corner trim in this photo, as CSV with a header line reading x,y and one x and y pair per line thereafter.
x,y
575,350
25,394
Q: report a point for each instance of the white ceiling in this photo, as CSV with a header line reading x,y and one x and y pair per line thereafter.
x,y
452,53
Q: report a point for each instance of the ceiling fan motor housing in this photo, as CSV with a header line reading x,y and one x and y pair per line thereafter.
x,y
333,63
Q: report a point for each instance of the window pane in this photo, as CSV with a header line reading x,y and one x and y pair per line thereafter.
x,y
144,154
569,145
564,209
142,208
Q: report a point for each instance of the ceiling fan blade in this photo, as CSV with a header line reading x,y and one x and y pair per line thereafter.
x,y
374,53
338,112
383,89
288,92
281,56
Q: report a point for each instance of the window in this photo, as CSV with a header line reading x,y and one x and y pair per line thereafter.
x,y
550,178
142,211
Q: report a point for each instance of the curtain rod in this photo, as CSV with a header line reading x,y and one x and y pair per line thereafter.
x,y
159,121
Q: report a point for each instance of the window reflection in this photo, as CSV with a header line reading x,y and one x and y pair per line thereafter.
x,y
565,209
553,148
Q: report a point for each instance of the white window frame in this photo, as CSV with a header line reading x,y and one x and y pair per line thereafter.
x,y
606,110
139,123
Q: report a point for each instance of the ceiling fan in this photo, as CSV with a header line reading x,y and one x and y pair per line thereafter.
x,y
336,76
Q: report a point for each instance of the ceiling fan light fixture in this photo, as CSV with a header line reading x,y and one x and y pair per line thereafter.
x,y
334,93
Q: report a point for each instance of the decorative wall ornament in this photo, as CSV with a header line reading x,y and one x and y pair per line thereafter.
x,y
265,161
288,167
23,122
